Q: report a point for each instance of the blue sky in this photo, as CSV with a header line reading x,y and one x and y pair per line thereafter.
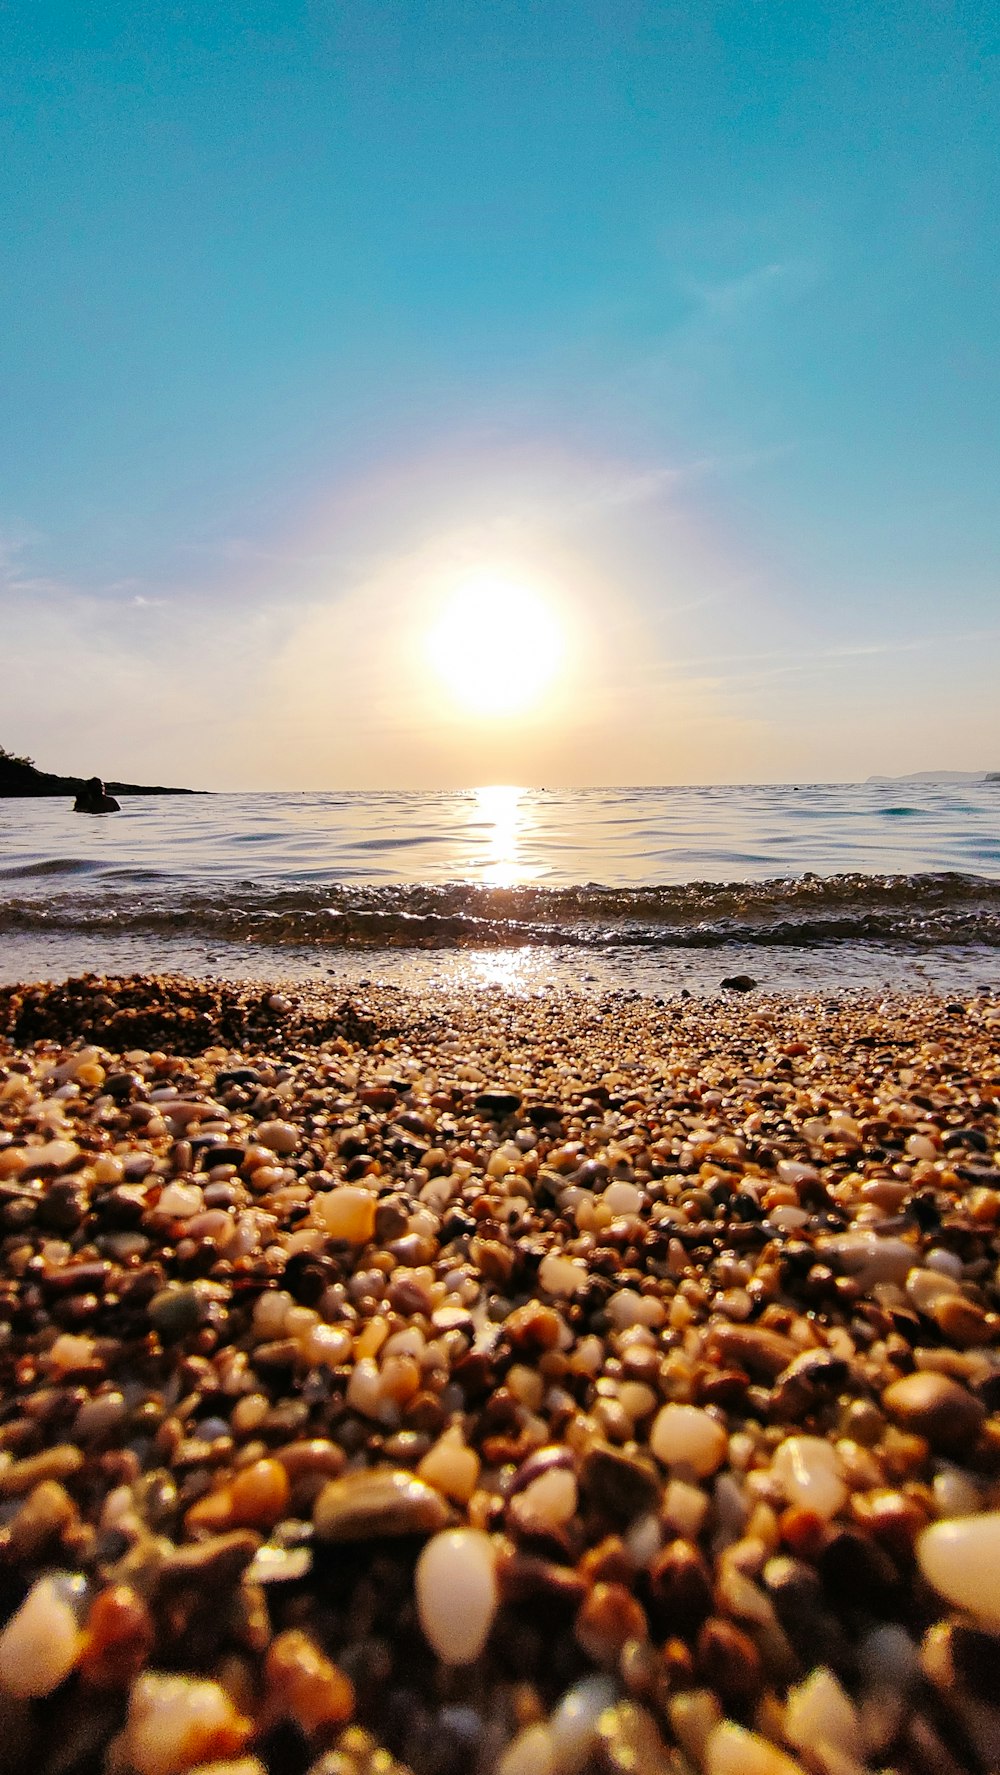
x,y
684,316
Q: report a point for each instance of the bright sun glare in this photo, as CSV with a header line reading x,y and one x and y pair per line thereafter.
x,y
497,645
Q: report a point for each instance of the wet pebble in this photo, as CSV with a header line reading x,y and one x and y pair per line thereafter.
x,y
456,1590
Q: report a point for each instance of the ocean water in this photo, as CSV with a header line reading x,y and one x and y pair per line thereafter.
x,y
650,890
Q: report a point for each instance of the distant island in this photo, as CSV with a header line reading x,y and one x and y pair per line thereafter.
x,y
21,777
943,776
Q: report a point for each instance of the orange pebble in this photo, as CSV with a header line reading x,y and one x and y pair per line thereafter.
x,y
119,1639
802,1531
211,1513
304,1685
259,1494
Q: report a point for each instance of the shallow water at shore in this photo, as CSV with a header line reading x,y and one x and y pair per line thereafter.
x,y
649,890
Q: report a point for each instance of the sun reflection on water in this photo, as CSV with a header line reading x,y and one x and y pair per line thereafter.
x,y
502,809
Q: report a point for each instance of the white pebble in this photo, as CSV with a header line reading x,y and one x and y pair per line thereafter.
x,y
548,1502
925,1288
573,1726
685,1435
41,1642
793,1171
622,1198
817,1711
364,1389
868,1257
451,1467
684,1508
456,1588
786,1217
807,1470
181,1200
961,1558
730,1750
58,1153
628,1308
270,1312
947,1263
278,1137
329,1344
563,1276
176,1722
530,1753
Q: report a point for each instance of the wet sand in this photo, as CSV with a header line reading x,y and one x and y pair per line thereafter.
x,y
467,1382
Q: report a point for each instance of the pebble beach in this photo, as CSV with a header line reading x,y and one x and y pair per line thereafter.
x,y
476,1385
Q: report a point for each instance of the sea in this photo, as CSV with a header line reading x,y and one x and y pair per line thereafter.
x,y
884,885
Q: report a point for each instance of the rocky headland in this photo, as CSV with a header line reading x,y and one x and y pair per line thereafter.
x,y
21,777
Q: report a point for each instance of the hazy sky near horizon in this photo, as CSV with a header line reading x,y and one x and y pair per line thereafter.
x,y
650,349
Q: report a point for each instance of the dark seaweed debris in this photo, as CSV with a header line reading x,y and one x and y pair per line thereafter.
x,y
183,1016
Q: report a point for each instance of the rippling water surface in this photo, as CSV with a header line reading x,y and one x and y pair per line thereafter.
x,y
642,888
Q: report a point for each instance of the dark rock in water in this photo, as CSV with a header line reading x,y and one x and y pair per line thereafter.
x,y
739,983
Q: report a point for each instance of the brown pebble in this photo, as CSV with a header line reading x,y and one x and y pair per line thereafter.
x,y
304,1686
41,1520
961,1321
936,1407
381,1501
60,1462
729,1663
532,1327
311,1456
608,1617
620,1486
119,1639
763,1353
608,1563
680,1584
218,1561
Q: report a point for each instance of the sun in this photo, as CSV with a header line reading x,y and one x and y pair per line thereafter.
x,y
497,645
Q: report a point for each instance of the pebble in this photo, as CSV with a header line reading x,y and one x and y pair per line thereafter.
x,y
451,1467
177,1311
382,1501
867,1257
562,1276
42,1640
529,1753
278,1137
176,1722
934,1406
456,1590
731,1750
818,1712
347,1213
808,1472
622,1486
304,1685
684,1435
548,1502
961,1558
572,1727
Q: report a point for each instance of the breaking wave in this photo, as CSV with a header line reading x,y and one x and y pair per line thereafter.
x,y
913,911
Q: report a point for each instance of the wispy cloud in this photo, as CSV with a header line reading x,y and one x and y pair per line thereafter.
x,y
732,299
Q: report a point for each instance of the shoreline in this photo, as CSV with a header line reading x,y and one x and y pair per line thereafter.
x,y
844,967
661,1334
